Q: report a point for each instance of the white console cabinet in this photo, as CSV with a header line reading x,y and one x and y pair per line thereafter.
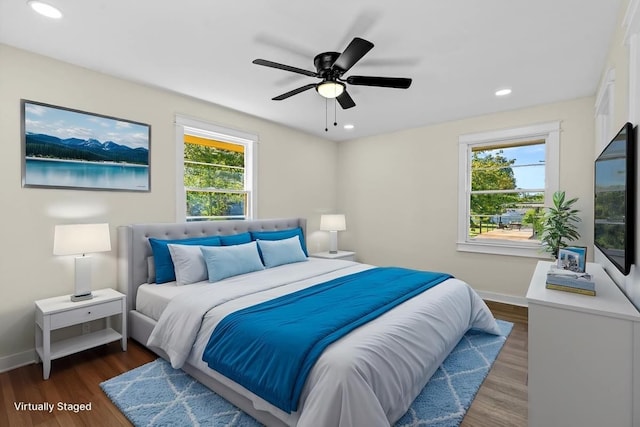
x,y
584,355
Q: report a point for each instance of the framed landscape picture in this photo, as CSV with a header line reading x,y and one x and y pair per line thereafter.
x,y
66,148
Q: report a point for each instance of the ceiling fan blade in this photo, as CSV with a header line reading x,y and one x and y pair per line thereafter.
x,y
352,54
394,82
294,92
345,100
284,67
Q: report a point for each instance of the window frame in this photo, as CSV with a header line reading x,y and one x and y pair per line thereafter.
x,y
548,132
604,111
189,126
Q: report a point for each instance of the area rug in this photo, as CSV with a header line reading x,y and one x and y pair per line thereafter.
x,y
155,394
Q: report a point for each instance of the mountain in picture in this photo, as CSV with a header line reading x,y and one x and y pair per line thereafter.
x,y
90,150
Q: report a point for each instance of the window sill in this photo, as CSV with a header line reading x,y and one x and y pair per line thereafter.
x,y
495,248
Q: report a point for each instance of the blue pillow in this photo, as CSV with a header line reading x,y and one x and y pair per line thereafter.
x,y
279,252
235,239
165,271
281,234
227,261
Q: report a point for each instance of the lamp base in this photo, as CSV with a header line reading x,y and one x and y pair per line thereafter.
x,y
84,297
333,242
82,288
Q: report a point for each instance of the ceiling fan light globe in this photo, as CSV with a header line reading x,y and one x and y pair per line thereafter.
x,y
330,89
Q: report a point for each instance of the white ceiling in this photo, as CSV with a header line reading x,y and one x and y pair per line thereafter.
x,y
458,53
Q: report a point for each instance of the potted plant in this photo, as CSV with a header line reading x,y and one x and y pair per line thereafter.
x,y
559,224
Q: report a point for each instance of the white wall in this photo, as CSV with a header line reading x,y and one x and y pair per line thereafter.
x,y
399,192
296,177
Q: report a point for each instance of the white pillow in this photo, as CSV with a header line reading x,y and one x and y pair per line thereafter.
x,y
188,263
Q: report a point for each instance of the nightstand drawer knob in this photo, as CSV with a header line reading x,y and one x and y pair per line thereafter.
x,y
88,312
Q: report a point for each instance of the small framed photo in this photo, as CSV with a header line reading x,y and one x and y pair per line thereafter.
x,y
573,258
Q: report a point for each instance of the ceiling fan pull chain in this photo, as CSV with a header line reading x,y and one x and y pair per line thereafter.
x,y
326,114
335,113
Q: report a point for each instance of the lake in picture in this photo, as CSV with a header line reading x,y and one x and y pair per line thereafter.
x,y
110,176
67,148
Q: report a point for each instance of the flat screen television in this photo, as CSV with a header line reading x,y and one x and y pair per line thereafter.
x,y
615,199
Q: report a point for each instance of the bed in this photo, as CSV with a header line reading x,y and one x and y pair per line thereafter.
x,y
369,376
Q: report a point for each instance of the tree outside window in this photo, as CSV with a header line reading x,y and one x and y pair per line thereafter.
x,y
507,191
214,179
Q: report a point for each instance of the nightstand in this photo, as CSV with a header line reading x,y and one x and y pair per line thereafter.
x,y
345,255
59,312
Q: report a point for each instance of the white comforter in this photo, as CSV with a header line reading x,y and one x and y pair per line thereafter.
x,y
367,378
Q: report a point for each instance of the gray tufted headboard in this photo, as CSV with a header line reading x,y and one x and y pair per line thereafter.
x,y
134,248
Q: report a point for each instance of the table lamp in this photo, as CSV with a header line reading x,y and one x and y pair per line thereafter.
x,y
81,239
333,224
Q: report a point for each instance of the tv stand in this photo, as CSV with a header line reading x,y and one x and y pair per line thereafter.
x,y
584,355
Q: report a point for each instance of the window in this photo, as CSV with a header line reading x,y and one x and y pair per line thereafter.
x,y
214,179
216,172
506,178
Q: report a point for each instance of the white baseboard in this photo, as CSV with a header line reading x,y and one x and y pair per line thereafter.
x,y
503,298
17,360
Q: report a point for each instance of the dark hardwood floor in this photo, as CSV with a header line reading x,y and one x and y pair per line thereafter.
x,y
74,379
502,398
501,401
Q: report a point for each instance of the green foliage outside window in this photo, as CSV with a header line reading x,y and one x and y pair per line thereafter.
x,y
492,171
489,172
214,179
534,218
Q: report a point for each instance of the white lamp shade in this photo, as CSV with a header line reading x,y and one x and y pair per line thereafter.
x,y
81,239
336,222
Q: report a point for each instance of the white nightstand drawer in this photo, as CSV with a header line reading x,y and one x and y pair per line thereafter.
x,y
85,314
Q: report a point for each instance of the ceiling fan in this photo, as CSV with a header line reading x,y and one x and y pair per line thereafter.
x,y
330,67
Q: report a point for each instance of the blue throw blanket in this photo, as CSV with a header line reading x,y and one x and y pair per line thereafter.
x,y
270,348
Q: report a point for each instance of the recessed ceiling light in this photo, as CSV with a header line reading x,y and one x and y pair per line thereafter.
x,y
45,9
503,92
349,126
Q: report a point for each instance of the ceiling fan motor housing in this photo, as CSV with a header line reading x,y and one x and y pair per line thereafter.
x,y
324,63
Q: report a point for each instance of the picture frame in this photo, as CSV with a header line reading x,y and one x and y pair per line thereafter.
x,y
573,258
66,148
